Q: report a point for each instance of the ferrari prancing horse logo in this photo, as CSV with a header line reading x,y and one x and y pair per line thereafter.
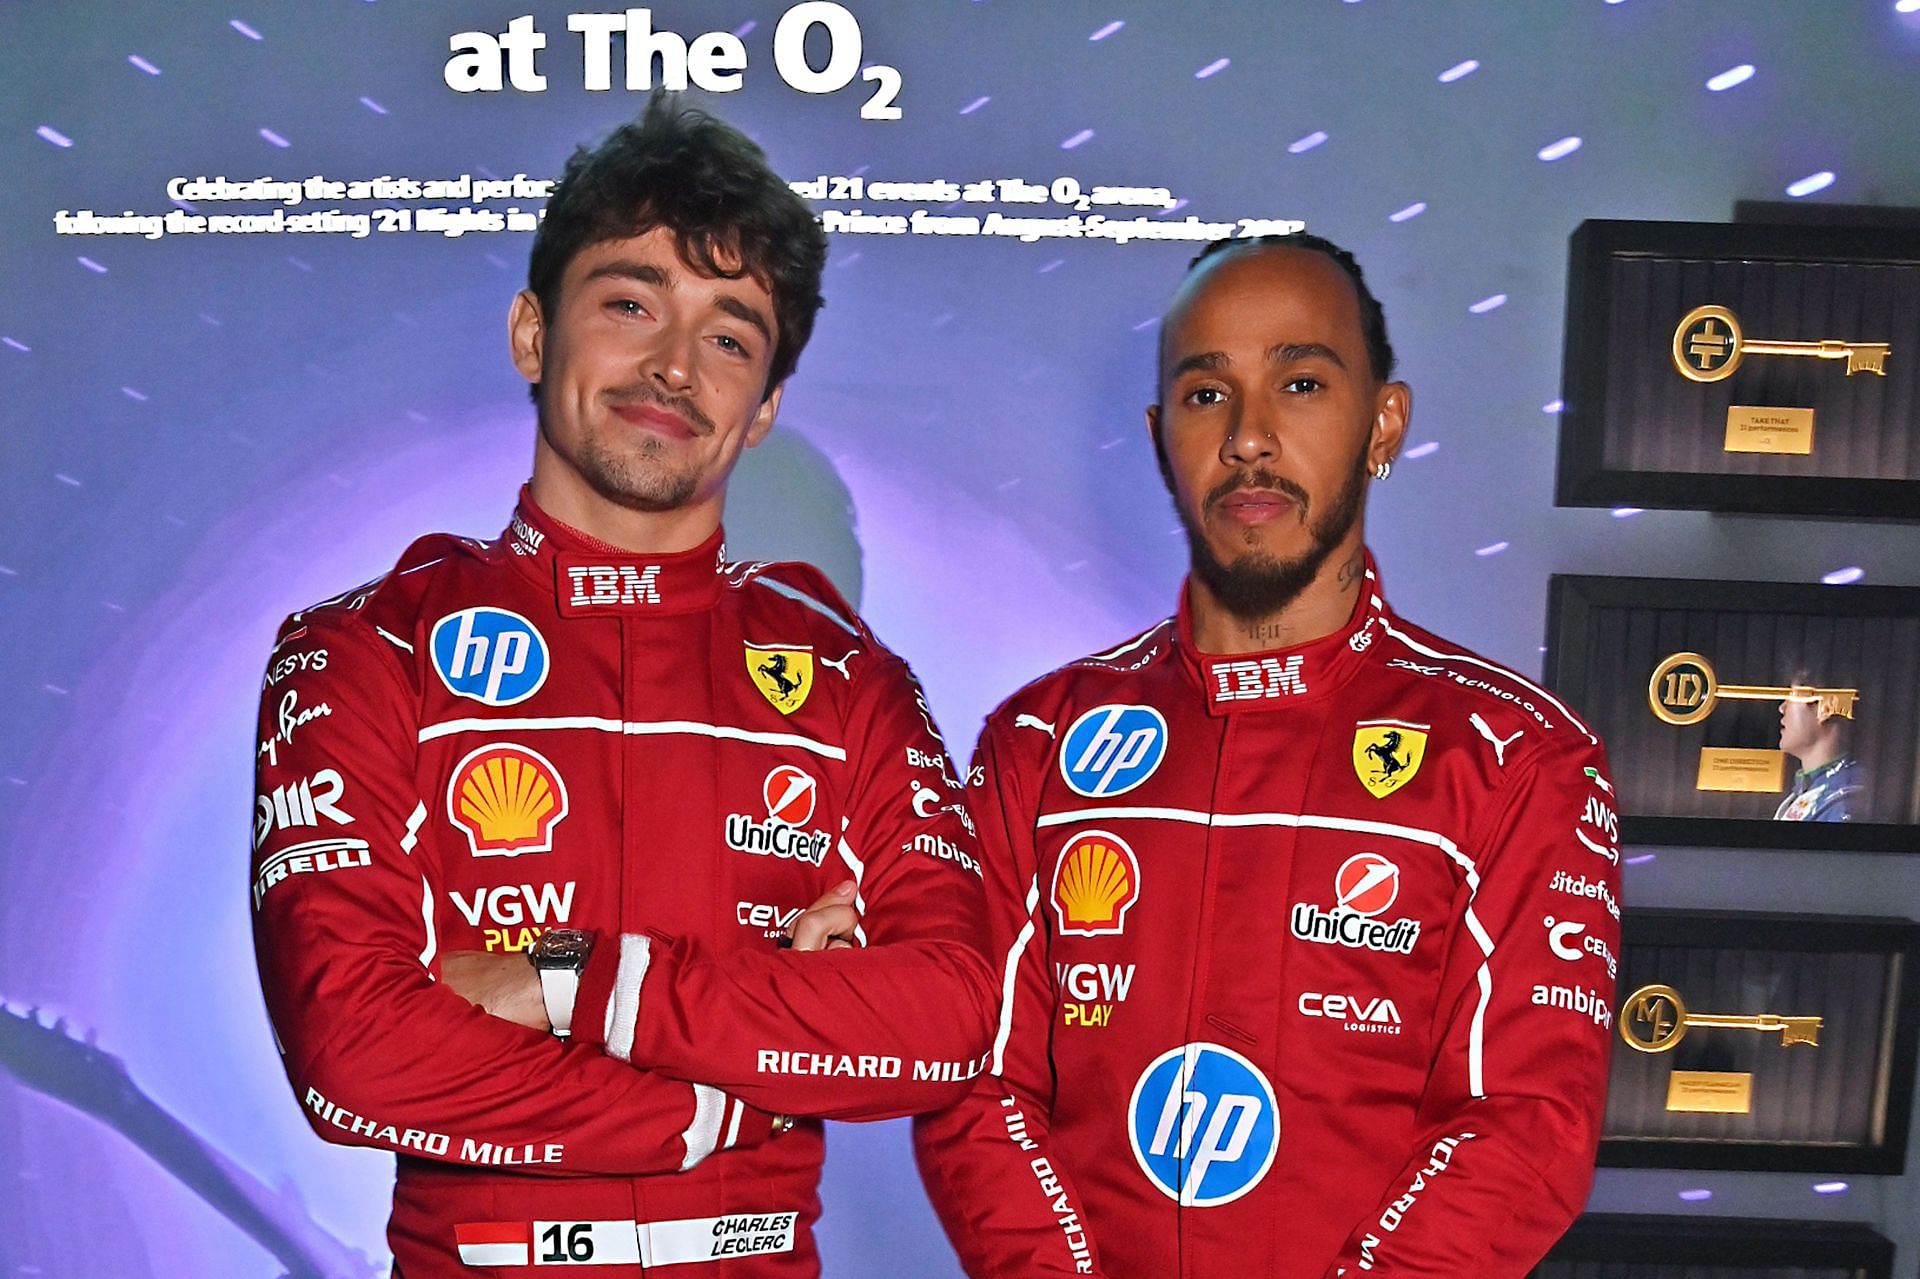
x,y
784,676
1387,754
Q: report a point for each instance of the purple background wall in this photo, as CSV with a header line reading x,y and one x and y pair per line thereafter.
x,y
198,435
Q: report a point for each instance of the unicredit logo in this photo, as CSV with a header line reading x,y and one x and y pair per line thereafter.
x,y
1344,928
1365,886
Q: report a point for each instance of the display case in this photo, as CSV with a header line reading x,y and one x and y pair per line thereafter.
x,y
1762,1042
1748,714
1720,367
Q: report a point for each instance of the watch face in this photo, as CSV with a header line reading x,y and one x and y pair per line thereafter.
x,y
561,948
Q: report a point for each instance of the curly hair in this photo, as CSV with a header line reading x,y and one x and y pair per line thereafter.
x,y
702,179
1373,320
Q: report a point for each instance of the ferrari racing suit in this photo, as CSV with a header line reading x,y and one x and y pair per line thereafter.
x,y
1308,965
676,754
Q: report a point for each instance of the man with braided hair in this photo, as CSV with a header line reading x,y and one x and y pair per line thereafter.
x,y
1307,918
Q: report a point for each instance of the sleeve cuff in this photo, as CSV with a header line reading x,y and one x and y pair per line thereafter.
x,y
607,1007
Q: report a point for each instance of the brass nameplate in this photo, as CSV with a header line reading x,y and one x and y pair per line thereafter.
x,y
1761,430
1757,772
1710,1092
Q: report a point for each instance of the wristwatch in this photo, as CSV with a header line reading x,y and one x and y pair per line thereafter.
x,y
559,955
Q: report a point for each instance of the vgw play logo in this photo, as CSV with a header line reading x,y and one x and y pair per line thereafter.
x,y
1204,1125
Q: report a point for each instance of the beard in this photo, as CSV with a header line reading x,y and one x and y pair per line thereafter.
x,y
640,478
1258,584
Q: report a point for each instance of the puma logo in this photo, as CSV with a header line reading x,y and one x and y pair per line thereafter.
x,y
1499,745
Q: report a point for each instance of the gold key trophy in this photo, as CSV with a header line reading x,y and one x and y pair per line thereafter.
x,y
1684,690
1708,346
1654,1019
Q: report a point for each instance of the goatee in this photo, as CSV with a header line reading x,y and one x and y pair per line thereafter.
x,y
1257,584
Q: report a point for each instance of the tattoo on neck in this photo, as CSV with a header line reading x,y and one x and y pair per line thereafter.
x,y
1353,569
1272,634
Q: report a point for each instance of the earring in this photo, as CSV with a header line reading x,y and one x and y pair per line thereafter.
x,y
1383,470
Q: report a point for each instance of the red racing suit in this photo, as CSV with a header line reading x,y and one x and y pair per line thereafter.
x,y
1309,960
676,754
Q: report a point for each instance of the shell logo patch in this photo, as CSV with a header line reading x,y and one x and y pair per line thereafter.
x,y
784,675
1095,882
507,800
1387,754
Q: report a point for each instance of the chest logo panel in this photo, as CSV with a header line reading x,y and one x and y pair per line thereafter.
x,y
784,675
506,800
1095,882
490,655
1204,1125
1387,754
1112,749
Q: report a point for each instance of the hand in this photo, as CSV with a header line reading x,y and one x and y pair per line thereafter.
x,y
505,986
828,924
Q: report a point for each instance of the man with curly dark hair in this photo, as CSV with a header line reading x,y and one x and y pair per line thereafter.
x,y
595,744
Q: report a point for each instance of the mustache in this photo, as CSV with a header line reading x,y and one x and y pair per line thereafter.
x,y
642,393
1258,478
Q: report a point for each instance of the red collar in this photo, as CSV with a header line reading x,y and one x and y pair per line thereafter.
x,y
1283,677
592,578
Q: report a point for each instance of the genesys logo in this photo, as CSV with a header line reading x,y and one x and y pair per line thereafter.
x,y
1091,991
515,914
1112,749
1581,886
490,655
1570,940
507,800
303,803
1203,1124
1365,886
1368,1014
294,664
1095,883
789,795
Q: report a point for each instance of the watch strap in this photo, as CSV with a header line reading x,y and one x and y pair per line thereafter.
x,y
559,987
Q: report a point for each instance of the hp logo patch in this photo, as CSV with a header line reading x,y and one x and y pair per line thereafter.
x,y
1204,1125
489,655
1112,749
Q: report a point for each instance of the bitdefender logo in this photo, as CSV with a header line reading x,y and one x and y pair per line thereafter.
x,y
789,794
1365,886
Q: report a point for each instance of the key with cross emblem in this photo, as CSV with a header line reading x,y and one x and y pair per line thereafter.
x,y
1684,690
1654,1019
1708,346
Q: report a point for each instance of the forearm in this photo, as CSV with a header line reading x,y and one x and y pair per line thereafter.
x,y
864,1033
